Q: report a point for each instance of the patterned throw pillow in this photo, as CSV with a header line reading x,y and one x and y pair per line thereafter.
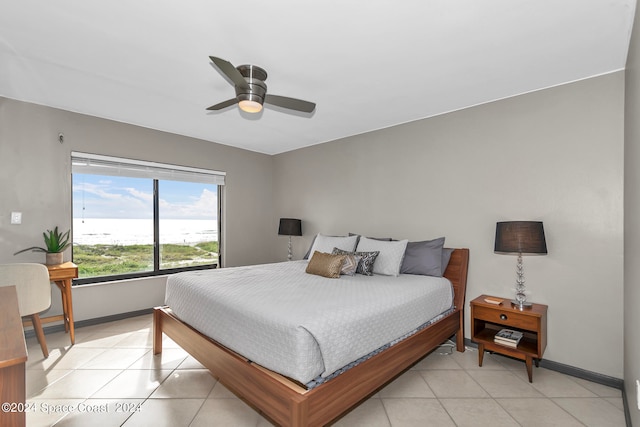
x,y
350,265
367,260
325,265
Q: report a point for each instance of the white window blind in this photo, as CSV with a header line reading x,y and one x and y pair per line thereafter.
x,y
114,166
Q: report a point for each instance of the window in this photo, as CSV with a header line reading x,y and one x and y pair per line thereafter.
x,y
134,219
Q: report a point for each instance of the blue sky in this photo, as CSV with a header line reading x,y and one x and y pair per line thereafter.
x,y
97,196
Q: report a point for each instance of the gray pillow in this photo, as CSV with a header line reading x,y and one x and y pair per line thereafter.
x,y
382,239
446,257
424,258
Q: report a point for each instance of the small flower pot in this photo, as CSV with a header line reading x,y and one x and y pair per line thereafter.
x,y
53,258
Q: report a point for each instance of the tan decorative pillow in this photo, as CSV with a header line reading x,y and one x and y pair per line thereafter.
x,y
325,265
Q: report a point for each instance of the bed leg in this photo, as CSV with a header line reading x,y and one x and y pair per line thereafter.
x,y
460,342
460,334
157,330
299,413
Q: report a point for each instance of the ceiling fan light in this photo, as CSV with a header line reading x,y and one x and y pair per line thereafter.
x,y
250,106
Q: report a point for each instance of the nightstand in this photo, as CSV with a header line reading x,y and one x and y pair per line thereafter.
x,y
487,319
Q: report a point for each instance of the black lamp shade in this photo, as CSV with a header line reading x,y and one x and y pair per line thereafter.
x,y
290,227
520,237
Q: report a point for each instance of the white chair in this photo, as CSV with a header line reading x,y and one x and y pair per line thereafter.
x,y
34,292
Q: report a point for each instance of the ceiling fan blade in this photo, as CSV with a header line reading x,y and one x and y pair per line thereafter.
x,y
223,104
230,71
290,103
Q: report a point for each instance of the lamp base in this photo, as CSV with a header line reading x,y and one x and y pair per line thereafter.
x,y
521,305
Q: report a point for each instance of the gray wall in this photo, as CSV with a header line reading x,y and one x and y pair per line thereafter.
x,y
554,155
632,224
35,179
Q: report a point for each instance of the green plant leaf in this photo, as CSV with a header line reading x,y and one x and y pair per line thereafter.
x,y
56,241
33,248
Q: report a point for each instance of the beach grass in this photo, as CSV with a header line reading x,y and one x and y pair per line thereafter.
x,y
106,260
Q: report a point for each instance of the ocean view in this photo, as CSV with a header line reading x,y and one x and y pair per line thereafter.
x,y
91,231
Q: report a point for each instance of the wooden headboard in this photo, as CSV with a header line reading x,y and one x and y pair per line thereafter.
x,y
457,272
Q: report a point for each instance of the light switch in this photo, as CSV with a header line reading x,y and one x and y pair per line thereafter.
x,y
16,217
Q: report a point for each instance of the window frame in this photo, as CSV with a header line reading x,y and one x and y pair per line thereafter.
x,y
157,271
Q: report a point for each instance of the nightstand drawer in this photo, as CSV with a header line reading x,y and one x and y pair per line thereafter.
x,y
510,318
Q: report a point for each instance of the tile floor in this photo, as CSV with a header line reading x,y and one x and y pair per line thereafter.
x,y
111,378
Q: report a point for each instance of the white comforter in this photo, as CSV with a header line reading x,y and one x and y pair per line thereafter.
x,y
301,325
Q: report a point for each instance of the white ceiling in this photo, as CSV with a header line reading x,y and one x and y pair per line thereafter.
x,y
367,65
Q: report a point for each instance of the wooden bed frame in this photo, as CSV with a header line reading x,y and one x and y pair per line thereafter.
x,y
284,401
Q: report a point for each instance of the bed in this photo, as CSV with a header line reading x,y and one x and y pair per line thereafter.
x,y
286,398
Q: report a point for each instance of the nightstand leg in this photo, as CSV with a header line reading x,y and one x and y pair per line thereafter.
x,y
537,362
480,354
529,368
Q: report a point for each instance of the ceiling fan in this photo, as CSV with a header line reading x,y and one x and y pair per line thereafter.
x,y
251,91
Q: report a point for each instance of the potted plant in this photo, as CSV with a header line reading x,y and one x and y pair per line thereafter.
x,y
55,243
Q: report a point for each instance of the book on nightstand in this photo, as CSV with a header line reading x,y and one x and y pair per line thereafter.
x,y
494,301
508,337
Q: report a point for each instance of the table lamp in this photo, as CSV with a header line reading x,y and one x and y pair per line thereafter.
x,y
520,238
290,227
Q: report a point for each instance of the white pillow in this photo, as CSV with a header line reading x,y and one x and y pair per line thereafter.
x,y
389,260
326,244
